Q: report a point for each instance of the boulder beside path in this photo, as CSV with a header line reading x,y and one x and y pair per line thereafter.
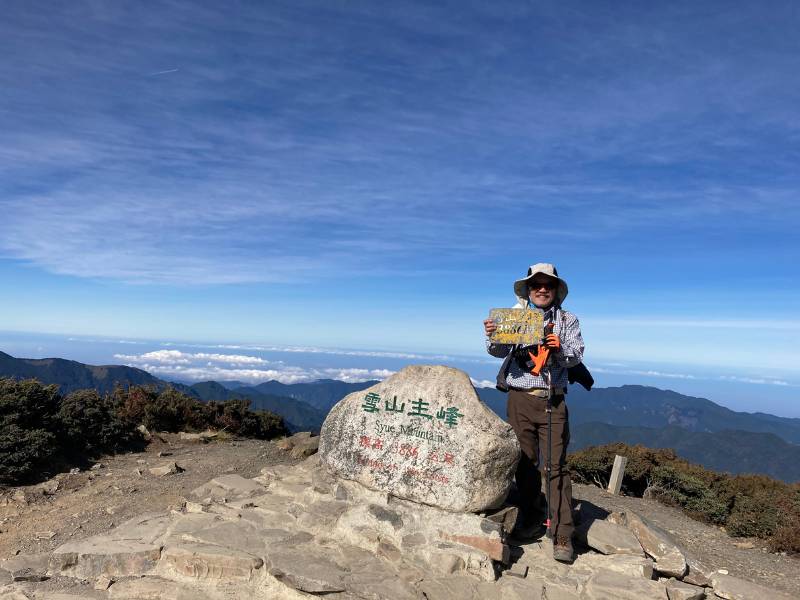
x,y
423,435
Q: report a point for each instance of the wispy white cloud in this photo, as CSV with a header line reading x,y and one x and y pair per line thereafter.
x,y
163,72
765,323
756,380
391,130
176,357
645,373
689,376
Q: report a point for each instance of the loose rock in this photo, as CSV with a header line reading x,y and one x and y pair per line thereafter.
x,y
229,486
198,438
305,448
168,469
678,590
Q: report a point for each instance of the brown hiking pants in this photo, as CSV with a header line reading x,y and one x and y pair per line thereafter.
x,y
527,414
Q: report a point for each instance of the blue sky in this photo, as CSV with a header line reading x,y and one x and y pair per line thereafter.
x,y
375,175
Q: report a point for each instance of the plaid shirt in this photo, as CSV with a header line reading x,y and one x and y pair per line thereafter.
x,y
568,330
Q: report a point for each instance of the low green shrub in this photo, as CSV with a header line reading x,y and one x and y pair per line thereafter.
x,y
171,410
677,485
90,425
23,451
236,416
174,411
787,535
28,428
40,430
753,516
130,403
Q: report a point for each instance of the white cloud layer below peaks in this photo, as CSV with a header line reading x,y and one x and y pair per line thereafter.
x,y
204,366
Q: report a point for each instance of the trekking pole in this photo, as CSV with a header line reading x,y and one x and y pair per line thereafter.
x,y
539,362
549,328
549,466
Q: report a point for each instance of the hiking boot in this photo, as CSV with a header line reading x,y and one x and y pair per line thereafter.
x,y
529,530
562,549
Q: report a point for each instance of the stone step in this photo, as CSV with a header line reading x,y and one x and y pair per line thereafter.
x,y
611,585
132,548
156,588
209,562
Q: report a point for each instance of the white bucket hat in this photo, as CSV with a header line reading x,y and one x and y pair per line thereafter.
x,y
521,285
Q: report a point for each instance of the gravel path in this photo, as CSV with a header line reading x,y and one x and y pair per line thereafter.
x,y
741,557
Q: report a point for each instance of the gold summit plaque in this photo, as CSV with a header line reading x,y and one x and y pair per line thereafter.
x,y
517,326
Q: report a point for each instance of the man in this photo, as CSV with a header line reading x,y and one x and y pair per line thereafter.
x,y
542,289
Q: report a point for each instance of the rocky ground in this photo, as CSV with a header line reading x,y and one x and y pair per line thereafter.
x,y
72,506
747,558
243,519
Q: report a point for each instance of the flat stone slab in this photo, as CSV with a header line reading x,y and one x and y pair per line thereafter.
x,y
306,570
656,542
422,435
230,487
463,587
626,564
610,585
7,593
734,588
132,548
26,567
238,535
207,561
609,538
96,556
155,588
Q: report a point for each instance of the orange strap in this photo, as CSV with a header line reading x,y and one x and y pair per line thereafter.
x,y
540,358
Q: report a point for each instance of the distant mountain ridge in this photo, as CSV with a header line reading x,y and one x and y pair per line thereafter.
x,y
71,375
643,406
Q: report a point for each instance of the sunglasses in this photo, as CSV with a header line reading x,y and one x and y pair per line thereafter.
x,y
548,285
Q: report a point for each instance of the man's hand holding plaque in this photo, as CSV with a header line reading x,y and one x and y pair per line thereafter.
x,y
514,326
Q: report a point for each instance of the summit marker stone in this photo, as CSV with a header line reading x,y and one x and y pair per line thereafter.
x,y
422,435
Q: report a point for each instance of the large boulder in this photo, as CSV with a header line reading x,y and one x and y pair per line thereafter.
x,y
422,435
